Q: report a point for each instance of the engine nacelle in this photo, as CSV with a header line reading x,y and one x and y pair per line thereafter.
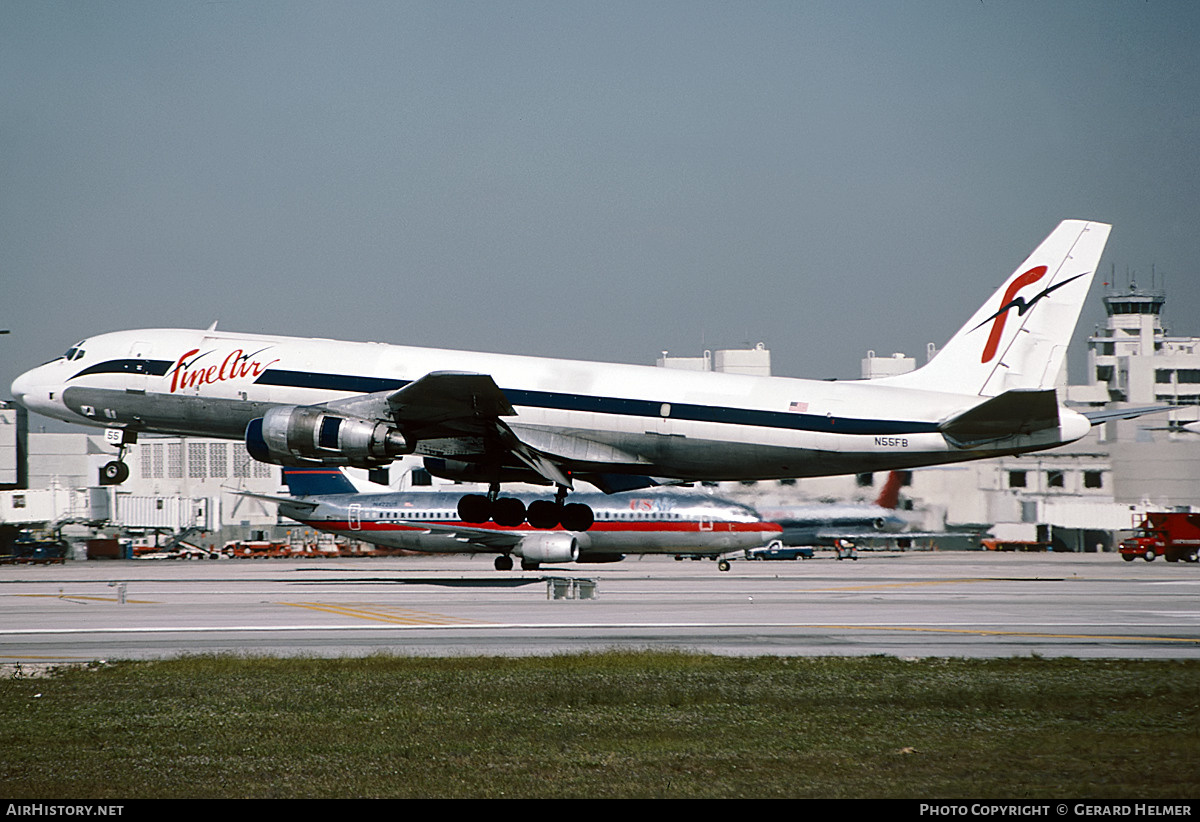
x,y
460,471
299,435
555,547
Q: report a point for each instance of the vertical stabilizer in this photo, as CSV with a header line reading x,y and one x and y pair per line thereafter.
x,y
303,482
889,496
1019,337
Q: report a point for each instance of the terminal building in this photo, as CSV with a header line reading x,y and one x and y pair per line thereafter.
x,y
1082,497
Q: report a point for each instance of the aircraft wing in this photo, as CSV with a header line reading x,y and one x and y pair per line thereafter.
x,y
440,404
486,537
829,537
448,398
460,413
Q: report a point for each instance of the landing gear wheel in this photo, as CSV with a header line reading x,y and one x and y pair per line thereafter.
x,y
474,508
723,565
543,514
529,565
508,511
114,473
577,517
504,563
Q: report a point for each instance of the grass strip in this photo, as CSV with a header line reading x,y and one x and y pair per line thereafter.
x,y
615,724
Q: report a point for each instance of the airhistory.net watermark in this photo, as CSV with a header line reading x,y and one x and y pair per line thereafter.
x,y
52,809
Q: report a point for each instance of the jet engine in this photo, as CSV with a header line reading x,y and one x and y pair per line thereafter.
x,y
299,435
460,471
548,548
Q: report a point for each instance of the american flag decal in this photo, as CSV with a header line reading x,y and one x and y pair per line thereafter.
x,y
798,407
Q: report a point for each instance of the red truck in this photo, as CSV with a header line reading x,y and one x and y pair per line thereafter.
x,y
1174,536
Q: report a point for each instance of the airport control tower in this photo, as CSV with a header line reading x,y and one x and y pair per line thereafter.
x,y
1133,356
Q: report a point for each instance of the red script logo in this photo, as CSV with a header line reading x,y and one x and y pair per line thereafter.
x,y
236,365
1011,300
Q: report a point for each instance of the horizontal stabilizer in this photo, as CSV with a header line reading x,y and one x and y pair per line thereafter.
x,y
290,502
1108,415
1010,414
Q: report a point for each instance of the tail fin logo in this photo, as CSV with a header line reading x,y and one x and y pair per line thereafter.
x,y
1011,300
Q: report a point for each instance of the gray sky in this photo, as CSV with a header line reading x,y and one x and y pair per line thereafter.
x,y
599,180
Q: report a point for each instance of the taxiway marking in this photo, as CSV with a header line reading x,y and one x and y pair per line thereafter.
x,y
401,616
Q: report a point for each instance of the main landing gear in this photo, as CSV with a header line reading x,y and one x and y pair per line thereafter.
x,y
504,562
511,512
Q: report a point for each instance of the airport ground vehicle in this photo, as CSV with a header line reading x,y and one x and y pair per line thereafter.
x,y
1173,535
777,550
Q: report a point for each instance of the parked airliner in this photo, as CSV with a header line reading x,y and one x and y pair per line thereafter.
x,y
654,522
497,418
828,523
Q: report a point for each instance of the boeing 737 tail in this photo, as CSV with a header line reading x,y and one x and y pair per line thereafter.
x,y
1019,337
303,482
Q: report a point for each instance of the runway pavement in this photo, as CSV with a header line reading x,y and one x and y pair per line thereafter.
x,y
909,605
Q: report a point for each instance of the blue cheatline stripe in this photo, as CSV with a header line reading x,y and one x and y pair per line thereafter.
x,y
649,409
618,406
154,368
328,382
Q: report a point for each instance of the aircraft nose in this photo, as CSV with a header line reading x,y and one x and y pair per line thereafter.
x,y
32,390
22,386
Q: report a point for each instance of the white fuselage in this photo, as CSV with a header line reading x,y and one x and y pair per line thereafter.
x,y
630,419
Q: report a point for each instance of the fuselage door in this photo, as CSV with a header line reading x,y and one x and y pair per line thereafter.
x,y
355,516
138,366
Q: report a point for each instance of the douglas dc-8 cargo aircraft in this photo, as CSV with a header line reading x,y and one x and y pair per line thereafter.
x,y
497,418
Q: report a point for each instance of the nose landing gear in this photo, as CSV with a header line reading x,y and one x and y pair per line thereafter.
x,y
116,471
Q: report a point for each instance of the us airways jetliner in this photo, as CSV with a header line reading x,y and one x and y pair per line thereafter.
x,y
658,522
496,418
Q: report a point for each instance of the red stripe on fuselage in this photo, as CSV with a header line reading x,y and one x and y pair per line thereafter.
x,y
612,527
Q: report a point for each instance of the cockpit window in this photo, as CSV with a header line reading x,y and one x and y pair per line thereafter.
x,y
74,352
